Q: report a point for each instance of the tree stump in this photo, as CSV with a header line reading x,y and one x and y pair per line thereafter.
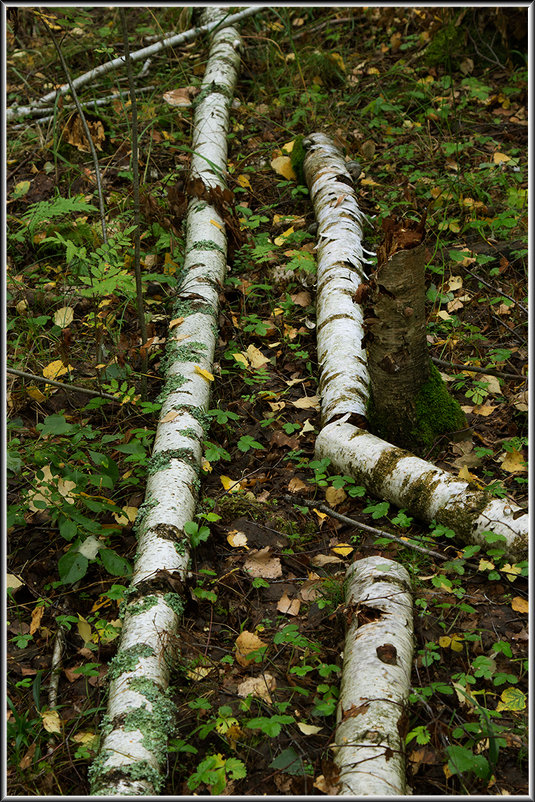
x,y
409,403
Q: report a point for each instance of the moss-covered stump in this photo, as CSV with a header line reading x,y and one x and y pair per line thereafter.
x,y
435,412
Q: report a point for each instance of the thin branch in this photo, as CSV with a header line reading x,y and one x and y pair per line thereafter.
x,y
102,101
63,386
490,371
496,290
137,218
24,111
359,525
86,130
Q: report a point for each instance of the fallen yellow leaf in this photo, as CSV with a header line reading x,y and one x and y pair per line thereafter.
x,y
55,369
230,485
243,181
204,373
37,614
63,317
308,729
237,539
51,721
288,606
342,548
520,605
513,462
283,166
245,643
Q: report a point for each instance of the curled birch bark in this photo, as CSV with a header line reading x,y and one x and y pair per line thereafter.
x,y
140,716
371,715
343,380
151,50
424,490
386,471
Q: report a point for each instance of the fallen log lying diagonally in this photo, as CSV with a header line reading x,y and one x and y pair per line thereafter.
x,y
385,471
140,716
370,734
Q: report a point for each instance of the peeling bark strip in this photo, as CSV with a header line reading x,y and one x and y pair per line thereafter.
x,y
371,715
343,384
140,716
426,491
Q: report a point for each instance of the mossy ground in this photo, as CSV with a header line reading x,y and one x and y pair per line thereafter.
x,y
435,414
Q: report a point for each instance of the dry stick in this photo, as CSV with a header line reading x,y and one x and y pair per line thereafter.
x,y
137,247
372,529
496,289
101,101
63,386
491,371
24,111
87,133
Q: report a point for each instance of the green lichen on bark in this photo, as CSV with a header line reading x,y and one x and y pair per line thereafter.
x,y
435,413
128,659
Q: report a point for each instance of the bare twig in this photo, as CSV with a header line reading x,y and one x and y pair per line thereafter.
x,y
491,371
63,386
359,525
137,233
86,130
496,290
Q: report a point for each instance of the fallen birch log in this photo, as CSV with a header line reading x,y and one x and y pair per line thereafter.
x,y
138,55
384,470
429,493
372,709
140,717
343,382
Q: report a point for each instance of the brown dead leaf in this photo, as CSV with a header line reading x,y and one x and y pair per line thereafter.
x,y
256,357
288,606
37,614
27,760
324,559
182,96
335,495
308,402
246,643
296,485
258,686
75,135
310,590
260,563
520,605
301,298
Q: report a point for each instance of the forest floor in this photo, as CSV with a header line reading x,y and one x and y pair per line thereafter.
x,y
433,104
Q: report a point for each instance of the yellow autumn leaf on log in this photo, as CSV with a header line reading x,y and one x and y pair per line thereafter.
x,y
176,322
283,166
51,721
55,369
216,224
204,373
171,415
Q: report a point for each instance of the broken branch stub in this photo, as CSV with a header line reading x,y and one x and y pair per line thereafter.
x,y
140,715
343,382
371,715
429,493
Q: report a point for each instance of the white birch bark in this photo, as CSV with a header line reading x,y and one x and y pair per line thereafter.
x,y
151,50
429,493
140,717
384,470
371,714
343,383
